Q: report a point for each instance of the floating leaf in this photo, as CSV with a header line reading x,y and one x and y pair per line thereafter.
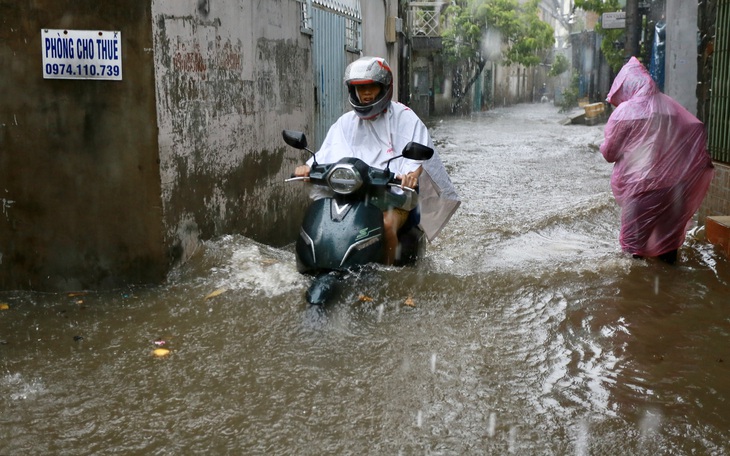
x,y
4,306
160,352
364,298
76,293
410,302
216,293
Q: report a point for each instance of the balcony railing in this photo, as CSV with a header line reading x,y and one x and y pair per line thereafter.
x,y
424,17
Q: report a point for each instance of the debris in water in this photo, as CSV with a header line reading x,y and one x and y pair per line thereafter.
x,y
4,306
160,352
216,293
363,298
410,302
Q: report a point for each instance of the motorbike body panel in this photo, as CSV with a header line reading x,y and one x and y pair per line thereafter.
x,y
339,235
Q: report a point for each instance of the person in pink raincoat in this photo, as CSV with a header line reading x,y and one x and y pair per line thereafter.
x,y
662,169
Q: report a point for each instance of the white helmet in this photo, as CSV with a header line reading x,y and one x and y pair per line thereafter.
x,y
369,70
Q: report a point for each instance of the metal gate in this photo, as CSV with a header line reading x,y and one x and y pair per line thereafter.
x,y
328,55
335,43
718,126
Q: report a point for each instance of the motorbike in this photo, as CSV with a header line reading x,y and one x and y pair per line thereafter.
x,y
343,231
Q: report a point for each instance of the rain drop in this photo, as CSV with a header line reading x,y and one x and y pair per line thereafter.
x,y
512,440
492,424
581,441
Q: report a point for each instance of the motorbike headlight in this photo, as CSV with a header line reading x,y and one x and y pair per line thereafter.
x,y
344,179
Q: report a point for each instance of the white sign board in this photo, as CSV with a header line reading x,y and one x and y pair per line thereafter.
x,y
615,20
81,54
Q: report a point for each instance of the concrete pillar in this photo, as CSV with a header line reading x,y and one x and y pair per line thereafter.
x,y
681,53
633,29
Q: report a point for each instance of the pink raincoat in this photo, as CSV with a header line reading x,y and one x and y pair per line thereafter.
x,y
662,169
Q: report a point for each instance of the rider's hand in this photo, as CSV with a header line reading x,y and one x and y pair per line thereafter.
x,y
410,180
302,171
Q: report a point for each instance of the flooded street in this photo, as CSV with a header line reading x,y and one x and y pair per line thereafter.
x,y
529,333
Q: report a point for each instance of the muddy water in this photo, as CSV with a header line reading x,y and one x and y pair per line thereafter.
x,y
530,333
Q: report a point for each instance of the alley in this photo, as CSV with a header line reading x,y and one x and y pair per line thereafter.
x,y
524,330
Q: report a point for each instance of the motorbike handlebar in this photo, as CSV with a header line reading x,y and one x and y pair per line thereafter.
x,y
294,178
396,183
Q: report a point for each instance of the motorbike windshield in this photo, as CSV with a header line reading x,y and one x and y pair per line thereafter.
x,y
662,169
437,197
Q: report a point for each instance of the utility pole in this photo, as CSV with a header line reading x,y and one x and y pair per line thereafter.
x,y
633,29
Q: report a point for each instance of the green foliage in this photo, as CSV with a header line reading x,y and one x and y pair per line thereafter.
x,y
478,31
559,66
570,94
614,54
599,6
473,24
532,38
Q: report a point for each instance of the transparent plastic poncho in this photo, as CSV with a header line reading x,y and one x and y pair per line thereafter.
x,y
662,169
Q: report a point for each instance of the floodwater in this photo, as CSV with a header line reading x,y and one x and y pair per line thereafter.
x,y
525,330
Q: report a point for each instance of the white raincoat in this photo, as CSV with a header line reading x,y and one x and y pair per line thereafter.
x,y
376,141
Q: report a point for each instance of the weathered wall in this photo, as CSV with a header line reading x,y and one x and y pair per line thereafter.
x,y
231,75
79,179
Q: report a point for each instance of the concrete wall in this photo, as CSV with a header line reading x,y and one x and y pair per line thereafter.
x,y
79,179
230,75
680,72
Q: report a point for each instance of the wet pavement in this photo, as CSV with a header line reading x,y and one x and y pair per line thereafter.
x,y
524,330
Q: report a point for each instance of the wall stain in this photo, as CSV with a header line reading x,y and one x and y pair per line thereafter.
x,y
222,105
189,61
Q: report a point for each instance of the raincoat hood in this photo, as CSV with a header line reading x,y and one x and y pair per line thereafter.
x,y
662,169
632,81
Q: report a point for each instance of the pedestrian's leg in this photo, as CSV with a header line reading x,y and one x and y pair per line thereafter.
x,y
633,237
671,224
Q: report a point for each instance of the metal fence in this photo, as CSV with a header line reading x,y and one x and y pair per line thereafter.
x,y
718,126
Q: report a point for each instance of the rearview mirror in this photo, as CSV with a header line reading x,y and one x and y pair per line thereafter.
x,y
296,139
416,151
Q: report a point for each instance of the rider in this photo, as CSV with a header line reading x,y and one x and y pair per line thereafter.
x,y
376,130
